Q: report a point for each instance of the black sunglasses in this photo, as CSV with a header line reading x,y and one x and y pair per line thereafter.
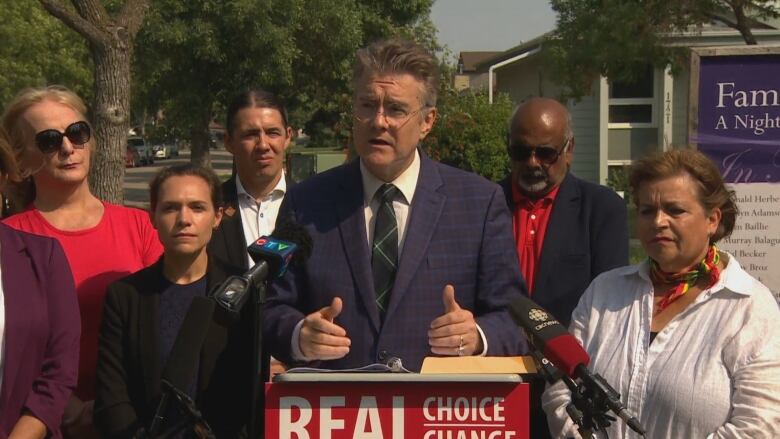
x,y
544,154
78,133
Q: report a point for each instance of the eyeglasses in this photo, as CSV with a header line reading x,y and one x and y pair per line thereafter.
x,y
544,154
395,116
50,140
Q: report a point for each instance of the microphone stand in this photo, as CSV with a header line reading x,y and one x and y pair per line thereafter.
x,y
232,295
260,368
588,410
193,418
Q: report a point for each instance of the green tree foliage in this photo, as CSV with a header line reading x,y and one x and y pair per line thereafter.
x,y
38,50
618,38
471,133
194,56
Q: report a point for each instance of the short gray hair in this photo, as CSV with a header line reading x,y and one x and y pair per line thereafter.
x,y
400,56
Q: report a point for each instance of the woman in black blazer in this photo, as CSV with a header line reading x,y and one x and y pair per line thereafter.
x,y
144,312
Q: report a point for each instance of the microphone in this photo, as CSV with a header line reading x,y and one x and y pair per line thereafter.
x,y
272,255
182,362
547,335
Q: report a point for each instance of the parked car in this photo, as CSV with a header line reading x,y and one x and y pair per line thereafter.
x,y
145,153
213,140
166,151
132,159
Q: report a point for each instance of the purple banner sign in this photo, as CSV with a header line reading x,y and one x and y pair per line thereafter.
x,y
739,116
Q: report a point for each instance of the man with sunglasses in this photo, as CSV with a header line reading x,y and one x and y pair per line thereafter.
x,y
567,230
411,258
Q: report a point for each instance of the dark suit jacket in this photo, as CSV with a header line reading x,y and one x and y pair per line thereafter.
x,y
228,244
42,330
129,367
587,234
459,233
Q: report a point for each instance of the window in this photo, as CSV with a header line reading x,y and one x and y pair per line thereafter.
x,y
632,104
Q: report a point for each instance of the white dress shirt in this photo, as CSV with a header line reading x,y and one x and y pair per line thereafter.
x,y
258,217
406,184
712,372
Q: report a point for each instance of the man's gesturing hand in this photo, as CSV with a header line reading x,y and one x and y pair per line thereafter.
x,y
455,332
320,338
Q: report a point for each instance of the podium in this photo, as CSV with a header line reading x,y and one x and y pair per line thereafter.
x,y
336,405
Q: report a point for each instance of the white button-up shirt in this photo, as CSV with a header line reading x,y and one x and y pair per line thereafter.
x,y
258,217
406,184
712,372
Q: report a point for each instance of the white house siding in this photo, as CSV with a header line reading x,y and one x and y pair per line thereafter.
x,y
585,123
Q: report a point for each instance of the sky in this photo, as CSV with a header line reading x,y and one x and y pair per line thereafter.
x,y
466,25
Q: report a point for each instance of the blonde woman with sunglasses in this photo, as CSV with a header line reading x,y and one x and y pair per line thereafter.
x,y
53,141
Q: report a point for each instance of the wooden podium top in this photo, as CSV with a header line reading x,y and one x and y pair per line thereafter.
x,y
381,377
434,369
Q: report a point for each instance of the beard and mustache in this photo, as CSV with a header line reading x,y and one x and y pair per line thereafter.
x,y
534,180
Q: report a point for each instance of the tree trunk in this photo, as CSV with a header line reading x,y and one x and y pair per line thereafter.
x,y
111,120
743,24
201,139
111,43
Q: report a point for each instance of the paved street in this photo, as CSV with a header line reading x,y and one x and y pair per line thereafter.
x,y
137,179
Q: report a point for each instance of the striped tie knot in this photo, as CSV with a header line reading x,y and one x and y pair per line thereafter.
x,y
387,193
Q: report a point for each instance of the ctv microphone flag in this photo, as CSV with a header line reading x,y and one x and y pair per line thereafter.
x,y
271,256
276,252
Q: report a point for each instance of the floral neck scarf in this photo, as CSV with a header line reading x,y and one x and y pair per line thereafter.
x,y
682,282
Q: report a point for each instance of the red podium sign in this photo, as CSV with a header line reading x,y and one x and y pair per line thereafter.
x,y
397,409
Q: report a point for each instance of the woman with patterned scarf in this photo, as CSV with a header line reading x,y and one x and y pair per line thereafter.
x,y
688,338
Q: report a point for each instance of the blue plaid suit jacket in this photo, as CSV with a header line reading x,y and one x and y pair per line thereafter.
x,y
459,232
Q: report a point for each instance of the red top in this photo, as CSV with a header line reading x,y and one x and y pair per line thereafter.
x,y
123,242
529,219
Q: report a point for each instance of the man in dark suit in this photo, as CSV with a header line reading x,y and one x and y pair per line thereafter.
x,y
257,136
567,230
411,258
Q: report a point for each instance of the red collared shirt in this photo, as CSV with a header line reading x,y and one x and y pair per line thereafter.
x,y
529,220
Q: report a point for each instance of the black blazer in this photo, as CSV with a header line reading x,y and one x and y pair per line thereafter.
x,y
228,244
129,368
587,234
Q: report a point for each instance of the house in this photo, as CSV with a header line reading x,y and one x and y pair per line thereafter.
x,y
469,76
618,122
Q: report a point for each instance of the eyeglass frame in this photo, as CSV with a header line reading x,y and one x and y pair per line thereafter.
x,y
62,136
380,110
512,151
